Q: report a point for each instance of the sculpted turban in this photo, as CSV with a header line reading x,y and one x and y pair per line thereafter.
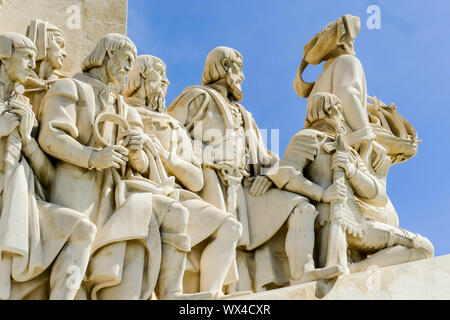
x,y
38,31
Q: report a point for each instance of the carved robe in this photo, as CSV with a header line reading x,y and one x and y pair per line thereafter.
x,y
307,159
124,207
204,218
32,231
344,77
240,147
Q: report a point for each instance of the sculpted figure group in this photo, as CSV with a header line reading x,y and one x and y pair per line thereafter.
x,y
106,194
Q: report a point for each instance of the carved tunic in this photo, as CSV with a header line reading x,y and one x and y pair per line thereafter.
x,y
204,218
32,230
307,160
112,202
205,108
344,77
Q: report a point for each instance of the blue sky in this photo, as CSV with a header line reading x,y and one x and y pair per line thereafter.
x,y
407,62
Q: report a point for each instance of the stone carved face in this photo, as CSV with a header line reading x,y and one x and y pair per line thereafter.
x,y
20,65
56,53
234,76
118,64
335,117
156,84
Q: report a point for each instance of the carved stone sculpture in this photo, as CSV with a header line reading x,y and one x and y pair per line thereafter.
x,y
145,90
50,43
33,233
105,194
382,138
343,76
234,160
129,255
313,154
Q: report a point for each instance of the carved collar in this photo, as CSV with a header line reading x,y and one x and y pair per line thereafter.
x,y
106,95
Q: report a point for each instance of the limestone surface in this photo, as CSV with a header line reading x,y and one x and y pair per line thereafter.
x,y
83,22
427,279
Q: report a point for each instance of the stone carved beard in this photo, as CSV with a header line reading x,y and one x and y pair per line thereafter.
x,y
156,95
234,85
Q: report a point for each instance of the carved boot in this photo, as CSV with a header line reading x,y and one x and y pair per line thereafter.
x,y
310,273
170,282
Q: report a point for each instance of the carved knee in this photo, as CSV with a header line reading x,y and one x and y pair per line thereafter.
x,y
230,230
303,214
84,231
176,219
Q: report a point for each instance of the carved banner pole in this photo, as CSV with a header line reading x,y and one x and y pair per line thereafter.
x,y
337,242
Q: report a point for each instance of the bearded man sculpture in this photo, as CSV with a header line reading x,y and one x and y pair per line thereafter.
x,y
234,159
145,90
33,233
103,172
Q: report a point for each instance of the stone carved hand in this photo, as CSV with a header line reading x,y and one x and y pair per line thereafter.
x,y
8,122
27,120
336,191
260,186
342,160
169,158
134,142
110,156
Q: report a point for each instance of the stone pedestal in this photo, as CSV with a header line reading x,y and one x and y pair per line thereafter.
x,y
83,22
425,279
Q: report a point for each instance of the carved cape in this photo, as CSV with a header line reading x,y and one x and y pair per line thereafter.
x,y
121,207
257,214
32,230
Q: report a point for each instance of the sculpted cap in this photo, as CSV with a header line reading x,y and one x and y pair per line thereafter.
x,y
214,68
10,41
40,32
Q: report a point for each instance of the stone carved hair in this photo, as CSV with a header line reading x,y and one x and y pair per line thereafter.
x,y
10,41
214,69
322,47
42,33
109,42
141,68
319,108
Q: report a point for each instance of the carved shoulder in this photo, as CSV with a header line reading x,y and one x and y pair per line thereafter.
x,y
63,87
305,143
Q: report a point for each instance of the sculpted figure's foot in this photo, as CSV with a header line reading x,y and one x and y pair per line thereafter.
x,y
312,274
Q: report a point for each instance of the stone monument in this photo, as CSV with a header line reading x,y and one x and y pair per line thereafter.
x,y
83,22
105,194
